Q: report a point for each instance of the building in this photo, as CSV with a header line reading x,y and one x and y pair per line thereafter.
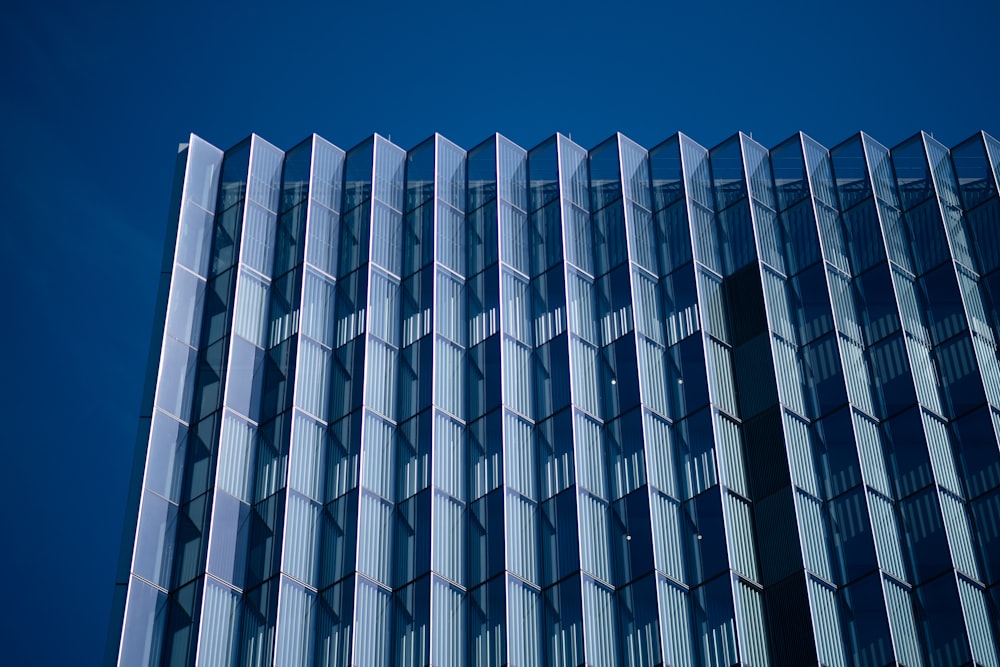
x,y
563,407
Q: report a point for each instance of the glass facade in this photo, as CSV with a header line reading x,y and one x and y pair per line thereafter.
x,y
559,407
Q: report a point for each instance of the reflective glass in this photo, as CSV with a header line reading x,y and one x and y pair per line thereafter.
x,y
563,406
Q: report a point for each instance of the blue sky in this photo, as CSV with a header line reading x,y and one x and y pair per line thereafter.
x,y
96,97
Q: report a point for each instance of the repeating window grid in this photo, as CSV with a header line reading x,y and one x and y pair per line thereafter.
x,y
902,624
887,535
225,554
978,623
826,624
948,476
956,523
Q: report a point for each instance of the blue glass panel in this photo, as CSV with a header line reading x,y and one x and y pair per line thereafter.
x,y
559,536
154,539
759,172
851,172
543,173
563,630
482,172
913,176
728,173
942,628
605,174
142,631
635,172
512,173
667,175
788,165
230,538
820,169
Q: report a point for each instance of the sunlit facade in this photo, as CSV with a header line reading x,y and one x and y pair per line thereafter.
x,y
559,407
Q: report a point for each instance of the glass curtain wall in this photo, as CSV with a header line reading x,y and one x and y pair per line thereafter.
x,y
563,407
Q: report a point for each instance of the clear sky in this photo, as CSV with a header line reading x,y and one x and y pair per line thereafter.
x,y
97,95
